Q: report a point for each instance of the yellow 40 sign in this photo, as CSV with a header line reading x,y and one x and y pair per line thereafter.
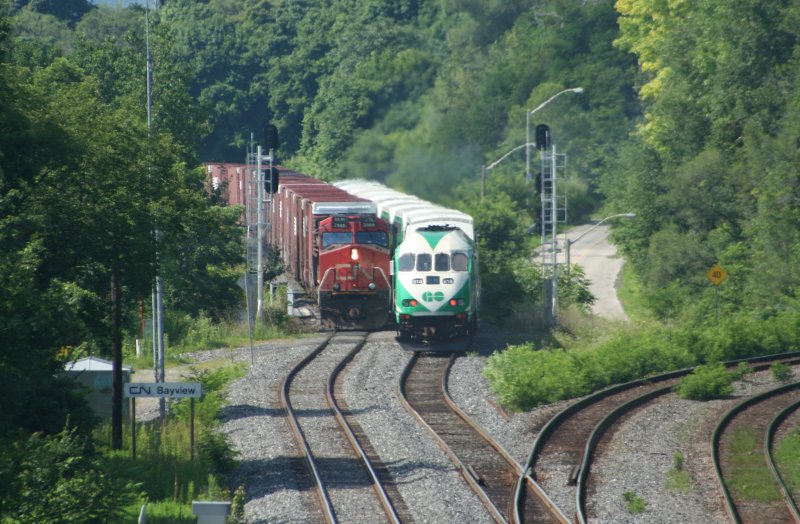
x,y
717,274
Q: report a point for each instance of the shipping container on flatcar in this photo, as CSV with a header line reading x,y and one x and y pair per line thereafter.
x,y
336,247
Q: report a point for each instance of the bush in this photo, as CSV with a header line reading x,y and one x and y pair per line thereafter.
x,y
523,378
59,478
781,372
706,383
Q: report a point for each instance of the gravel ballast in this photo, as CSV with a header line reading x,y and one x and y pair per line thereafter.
x,y
638,458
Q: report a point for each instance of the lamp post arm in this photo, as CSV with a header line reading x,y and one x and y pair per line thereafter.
x,y
571,90
493,164
485,168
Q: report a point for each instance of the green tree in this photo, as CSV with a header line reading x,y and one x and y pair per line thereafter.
x,y
58,478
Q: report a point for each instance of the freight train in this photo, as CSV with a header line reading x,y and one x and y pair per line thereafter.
x,y
369,254
435,272
335,246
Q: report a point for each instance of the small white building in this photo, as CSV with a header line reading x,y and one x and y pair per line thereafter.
x,y
95,374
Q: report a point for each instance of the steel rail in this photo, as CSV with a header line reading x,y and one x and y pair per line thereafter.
x,y
322,492
465,472
594,440
519,471
560,417
330,396
730,505
769,437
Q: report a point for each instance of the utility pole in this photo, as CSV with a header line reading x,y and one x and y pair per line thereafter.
x,y
158,289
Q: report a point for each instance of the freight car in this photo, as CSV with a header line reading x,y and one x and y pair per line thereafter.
x,y
435,273
336,247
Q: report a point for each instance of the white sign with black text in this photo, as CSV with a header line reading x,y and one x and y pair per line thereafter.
x,y
163,389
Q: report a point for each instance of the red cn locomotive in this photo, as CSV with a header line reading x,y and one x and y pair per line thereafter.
x,y
333,244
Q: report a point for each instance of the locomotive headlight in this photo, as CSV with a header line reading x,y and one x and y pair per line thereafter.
x,y
371,286
354,254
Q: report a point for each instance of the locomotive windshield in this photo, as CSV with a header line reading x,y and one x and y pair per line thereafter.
x,y
405,262
460,261
378,238
423,262
441,262
330,238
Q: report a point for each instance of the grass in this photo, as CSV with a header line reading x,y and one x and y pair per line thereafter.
x,y
750,478
630,294
633,502
168,477
787,458
678,479
185,334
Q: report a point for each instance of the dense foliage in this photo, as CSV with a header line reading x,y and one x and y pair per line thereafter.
x,y
690,119
82,186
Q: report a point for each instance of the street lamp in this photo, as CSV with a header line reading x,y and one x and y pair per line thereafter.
x,y
485,168
528,114
572,241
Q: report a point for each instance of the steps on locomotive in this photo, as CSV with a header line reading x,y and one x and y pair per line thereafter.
x,y
299,304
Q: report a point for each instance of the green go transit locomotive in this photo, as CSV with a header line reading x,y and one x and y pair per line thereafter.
x,y
435,273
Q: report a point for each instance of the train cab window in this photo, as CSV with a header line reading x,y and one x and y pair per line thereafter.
x,y
441,262
460,261
330,238
405,262
378,238
423,262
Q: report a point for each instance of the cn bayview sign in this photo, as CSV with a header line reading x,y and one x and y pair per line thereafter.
x,y
163,389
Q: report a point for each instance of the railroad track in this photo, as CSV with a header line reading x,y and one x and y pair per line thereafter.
x,y
748,427
486,467
564,449
351,483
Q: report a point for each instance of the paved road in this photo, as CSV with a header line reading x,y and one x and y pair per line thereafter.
x,y
598,257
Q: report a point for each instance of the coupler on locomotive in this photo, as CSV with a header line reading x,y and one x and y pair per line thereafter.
x,y
354,311
435,328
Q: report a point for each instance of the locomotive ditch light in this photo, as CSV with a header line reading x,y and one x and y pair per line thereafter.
x,y
337,287
371,286
453,302
409,302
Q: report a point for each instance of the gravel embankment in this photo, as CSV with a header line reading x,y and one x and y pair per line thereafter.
x,y
641,452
